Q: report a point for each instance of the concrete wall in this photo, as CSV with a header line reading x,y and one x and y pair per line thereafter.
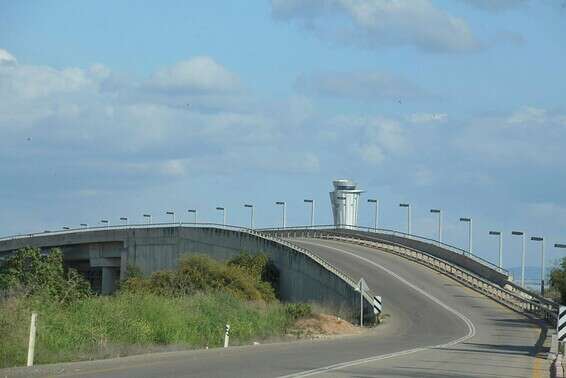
x,y
302,279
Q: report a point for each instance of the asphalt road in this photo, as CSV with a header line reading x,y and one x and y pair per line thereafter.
x,y
436,328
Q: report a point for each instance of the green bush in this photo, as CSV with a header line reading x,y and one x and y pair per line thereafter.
x,y
203,274
30,273
259,267
558,280
298,310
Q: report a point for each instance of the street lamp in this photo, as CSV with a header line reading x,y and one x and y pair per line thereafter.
x,y
66,228
223,214
470,231
408,206
439,212
559,245
376,213
124,219
498,233
195,212
148,216
104,221
284,204
172,213
84,225
252,210
541,239
521,233
311,201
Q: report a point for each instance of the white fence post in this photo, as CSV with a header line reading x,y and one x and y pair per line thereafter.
x,y
226,335
31,346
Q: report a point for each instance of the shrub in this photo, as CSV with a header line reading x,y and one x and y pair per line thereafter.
x,y
298,310
203,274
558,280
30,273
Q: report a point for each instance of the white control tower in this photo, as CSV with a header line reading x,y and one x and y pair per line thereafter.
x,y
344,200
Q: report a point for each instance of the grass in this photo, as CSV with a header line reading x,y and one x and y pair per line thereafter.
x,y
100,327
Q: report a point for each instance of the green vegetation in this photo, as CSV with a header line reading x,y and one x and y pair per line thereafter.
x,y
241,277
184,308
558,280
29,273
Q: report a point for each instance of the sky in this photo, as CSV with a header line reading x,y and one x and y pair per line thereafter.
x,y
114,109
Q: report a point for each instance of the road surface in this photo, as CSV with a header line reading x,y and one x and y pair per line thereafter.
x,y
436,328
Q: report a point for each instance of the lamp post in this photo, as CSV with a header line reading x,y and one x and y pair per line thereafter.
x,y
521,233
66,228
439,212
541,239
252,211
172,213
84,225
311,201
148,216
223,215
124,219
284,204
195,212
104,221
498,233
408,206
376,213
470,233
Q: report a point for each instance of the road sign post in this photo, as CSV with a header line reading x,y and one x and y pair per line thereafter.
x,y
561,324
377,305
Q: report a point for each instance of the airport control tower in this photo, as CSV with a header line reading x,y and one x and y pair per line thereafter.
x,y
344,200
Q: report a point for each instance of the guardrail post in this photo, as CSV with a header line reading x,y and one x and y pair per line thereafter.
x,y
226,335
31,345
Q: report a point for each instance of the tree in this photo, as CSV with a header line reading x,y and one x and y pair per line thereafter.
x,y
28,272
558,280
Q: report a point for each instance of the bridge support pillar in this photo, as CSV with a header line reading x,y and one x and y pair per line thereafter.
x,y
109,279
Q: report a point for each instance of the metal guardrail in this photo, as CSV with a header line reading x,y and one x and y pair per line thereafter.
x,y
341,274
513,297
394,233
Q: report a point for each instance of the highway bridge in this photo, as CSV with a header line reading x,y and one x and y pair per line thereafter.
x,y
451,315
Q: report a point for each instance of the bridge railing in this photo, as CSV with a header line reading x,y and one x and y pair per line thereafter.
x,y
385,231
511,295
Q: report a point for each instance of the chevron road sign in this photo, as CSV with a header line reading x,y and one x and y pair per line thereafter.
x,y
377,305
561,327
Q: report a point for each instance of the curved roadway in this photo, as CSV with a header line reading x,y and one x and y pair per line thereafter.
x,y
436,328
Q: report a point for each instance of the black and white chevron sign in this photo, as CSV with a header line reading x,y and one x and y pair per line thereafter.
x,y
377,305
561,327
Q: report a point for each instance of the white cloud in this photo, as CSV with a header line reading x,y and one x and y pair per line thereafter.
x,y
6,57
372,139
420,118
358,85
496,5
526,136
377,23
200,75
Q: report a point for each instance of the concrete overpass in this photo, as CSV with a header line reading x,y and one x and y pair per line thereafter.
x,y
450,317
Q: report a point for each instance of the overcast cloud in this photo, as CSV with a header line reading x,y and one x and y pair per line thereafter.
x,y
378,23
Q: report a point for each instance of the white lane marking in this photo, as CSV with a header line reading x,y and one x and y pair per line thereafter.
x,y
469,324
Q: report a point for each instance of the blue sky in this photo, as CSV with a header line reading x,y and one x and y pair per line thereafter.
x,y
110,109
